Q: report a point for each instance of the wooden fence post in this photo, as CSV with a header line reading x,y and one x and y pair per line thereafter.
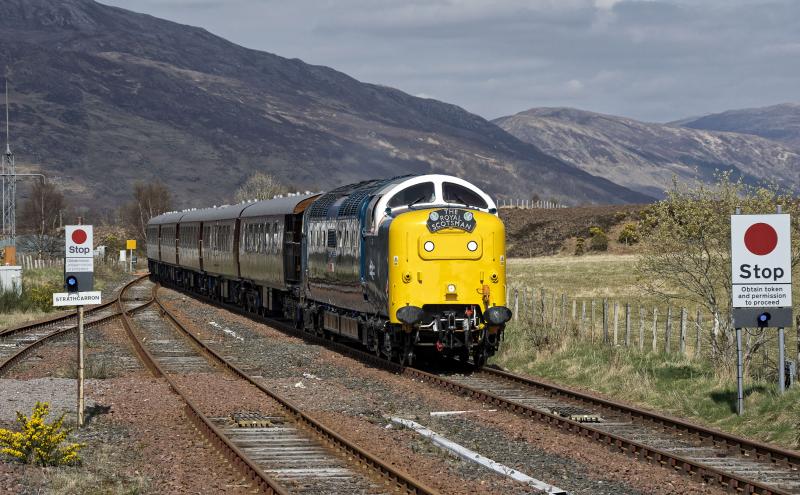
x,y
574,310
699,324
544,314
522,303
616,321
564,311
655,329
516,304
641,328
627,324
605,321
583,318
683,331
592,322
533,306
668,330
555,306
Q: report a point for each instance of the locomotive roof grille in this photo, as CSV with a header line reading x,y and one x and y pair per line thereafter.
x,y
352,204
356,194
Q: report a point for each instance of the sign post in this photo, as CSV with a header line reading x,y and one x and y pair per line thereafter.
x,y
130,245
761,274
78,282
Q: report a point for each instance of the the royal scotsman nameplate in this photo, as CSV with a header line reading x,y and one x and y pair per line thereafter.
x,y
451,218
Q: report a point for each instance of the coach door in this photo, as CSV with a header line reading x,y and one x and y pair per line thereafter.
x,y
292,248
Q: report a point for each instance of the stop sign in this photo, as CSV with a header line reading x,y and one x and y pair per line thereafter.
x,y
761,261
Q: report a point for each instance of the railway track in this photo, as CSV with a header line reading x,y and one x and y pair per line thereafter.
x,y
737,463
17,342
284,452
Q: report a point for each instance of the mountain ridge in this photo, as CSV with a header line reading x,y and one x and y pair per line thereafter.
x,y
645,156
780,122
103,96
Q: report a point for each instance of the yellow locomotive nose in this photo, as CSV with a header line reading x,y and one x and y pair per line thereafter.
x,y
446,267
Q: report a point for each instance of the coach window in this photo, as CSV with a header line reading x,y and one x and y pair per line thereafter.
x,y
453,193
412,195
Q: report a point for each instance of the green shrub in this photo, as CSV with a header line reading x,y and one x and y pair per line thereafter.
x,y
629,234
39,442
580,246
599,240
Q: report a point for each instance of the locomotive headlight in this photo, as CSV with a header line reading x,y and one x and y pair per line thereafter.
x,y
428,246
451,288
472,246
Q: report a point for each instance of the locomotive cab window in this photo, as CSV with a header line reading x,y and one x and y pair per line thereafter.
x,y
416,194
454,193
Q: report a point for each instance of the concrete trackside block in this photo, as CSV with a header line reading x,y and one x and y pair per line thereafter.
x,y
472,456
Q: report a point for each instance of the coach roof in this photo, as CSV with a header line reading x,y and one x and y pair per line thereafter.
x,y
171,217
227,212
286,205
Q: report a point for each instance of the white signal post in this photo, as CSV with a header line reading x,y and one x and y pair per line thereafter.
x,y
78,277
761,277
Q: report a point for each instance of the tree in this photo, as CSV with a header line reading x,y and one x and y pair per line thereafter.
x,y
259,186
40,218
629,234
687,245
150,199
599,239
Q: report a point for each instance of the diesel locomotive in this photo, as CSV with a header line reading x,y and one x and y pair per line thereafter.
x,y
403,266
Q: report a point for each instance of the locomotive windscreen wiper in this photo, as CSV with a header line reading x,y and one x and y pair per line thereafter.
x,y
461,200
411,204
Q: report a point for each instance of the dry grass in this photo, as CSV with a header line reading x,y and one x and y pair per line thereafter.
x,y
100,473
8,320
679,384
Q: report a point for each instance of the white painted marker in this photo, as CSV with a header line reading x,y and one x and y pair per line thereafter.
x,y
472,456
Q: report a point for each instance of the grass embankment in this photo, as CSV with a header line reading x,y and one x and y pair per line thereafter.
x,y
38,286
686,386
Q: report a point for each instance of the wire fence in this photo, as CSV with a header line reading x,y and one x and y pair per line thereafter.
x,y
529,204
666,329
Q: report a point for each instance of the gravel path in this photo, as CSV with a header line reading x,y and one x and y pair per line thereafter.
x,y
350,393
22,395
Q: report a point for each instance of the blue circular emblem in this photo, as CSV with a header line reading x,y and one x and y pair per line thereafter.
x,y
434,216
468,216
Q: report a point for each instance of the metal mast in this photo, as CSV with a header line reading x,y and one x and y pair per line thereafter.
x,y
9,182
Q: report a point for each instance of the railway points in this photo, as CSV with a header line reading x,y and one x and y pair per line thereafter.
x,y
299,455
734,463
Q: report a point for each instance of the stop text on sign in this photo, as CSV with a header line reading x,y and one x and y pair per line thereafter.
x,y
78,241
761,261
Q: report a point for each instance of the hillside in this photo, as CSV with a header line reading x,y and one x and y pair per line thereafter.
x,y
543,232
645,156
102,96
777,122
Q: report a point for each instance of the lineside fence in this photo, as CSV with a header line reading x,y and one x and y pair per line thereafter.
x,y
27,261
528,204
665,329
30,261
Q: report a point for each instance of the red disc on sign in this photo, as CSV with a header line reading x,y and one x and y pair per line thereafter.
x,y
79,236
760,238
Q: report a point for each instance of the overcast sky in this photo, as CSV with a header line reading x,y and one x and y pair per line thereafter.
x,y
651,60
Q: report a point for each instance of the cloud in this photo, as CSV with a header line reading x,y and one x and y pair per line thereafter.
x,y
656,60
